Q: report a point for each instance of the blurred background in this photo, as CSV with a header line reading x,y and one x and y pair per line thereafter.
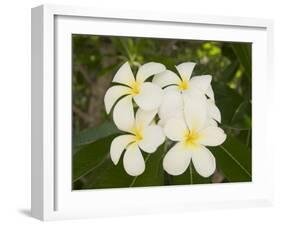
x,y
95,61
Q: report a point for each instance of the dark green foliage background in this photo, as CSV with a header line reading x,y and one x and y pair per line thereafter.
x,y
95,61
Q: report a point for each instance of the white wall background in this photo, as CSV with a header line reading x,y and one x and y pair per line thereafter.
x,y
15,112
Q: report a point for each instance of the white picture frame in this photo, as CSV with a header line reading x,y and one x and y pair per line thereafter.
x,y
52,197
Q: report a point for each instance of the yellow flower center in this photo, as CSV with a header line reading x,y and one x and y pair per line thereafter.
x,y
191,138
183,85
138,134
135,88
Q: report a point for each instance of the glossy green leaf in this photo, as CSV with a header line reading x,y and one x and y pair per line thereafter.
x,y
91,135
107,175
90,157
244,55
234,160
242,116
227,101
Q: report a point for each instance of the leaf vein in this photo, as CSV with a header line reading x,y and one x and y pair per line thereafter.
x,y
91,169
236,161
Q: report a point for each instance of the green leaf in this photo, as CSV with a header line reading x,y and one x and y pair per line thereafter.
x,y
91,135
242,116
90,157
107,175
244,53
234,160
227,100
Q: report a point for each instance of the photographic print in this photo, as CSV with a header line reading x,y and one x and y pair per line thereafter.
x,y
160,112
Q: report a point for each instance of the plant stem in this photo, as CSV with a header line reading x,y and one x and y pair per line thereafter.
x,y
190,171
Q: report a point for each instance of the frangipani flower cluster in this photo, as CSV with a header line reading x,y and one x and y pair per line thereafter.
x,y
178,108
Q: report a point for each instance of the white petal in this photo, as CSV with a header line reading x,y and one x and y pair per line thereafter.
x,y
149,69
171,106
150,96
153,137
195,111
124,75
113,94
123,114
204,162
166,78
212,136
163,122
210,122
133,161
177,159
144,118
201,82
118,145
175,129
210,93
185,70
213,111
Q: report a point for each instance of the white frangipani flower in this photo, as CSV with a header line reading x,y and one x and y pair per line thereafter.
x,y
147,96
192,136
143,134
179,88
184,83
